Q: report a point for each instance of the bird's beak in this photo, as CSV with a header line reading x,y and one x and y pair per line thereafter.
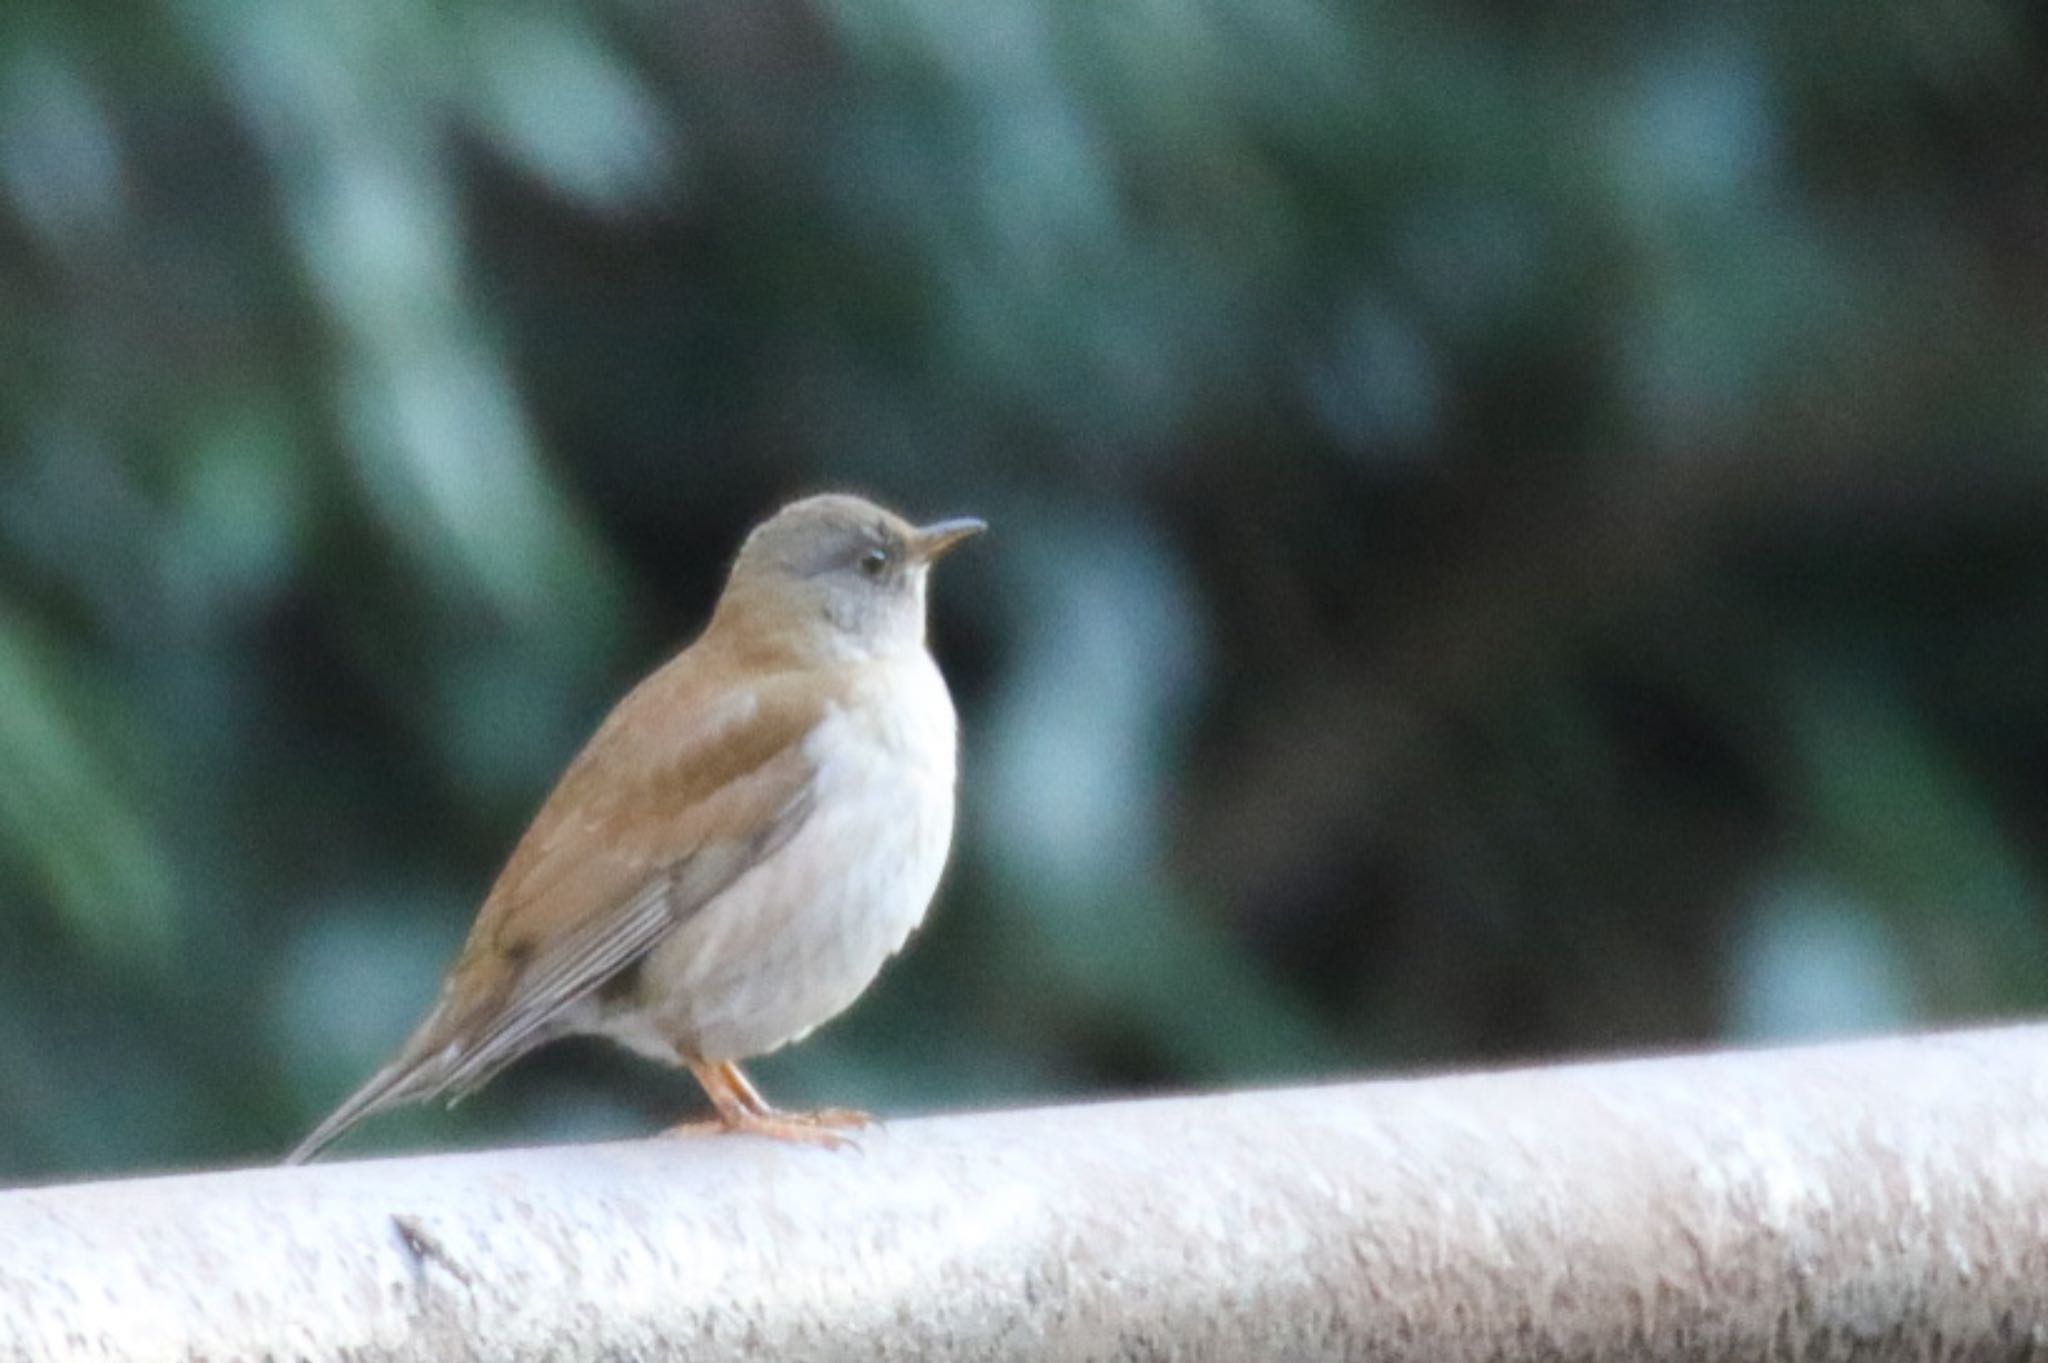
x,y
933,542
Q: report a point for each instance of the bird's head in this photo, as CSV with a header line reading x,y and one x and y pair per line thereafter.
x,y
837,577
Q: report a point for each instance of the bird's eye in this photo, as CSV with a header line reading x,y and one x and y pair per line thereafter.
x,y
873,562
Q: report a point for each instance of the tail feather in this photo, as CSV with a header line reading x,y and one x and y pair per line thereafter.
x,y
419,1072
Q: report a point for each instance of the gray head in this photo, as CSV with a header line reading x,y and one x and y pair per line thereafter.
x,y
843,562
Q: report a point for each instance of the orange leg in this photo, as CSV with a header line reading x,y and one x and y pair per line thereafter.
x,y
741,1108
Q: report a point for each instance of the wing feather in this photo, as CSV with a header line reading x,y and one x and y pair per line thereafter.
x,y
604,945
687,784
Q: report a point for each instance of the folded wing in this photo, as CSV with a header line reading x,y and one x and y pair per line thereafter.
x,y
685,787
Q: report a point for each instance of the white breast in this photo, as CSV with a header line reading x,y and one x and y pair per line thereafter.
x,y
796,939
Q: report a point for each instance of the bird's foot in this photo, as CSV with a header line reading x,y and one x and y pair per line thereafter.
x,y
826,1127
742,1109
832,1118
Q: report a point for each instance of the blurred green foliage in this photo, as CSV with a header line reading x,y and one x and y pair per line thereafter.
x,y
1517,533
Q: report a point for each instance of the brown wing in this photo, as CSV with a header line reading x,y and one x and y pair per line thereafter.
x,y
686,784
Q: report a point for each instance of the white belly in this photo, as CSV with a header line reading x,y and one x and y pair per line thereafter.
x,y
796,939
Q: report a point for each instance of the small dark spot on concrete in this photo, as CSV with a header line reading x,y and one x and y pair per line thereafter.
x,y
423,1248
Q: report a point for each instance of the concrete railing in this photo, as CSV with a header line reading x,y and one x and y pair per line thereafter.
x,y
1875,1200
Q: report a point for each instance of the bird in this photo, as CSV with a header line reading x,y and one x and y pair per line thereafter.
x,y
739,848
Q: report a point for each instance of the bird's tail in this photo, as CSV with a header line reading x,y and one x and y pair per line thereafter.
x,y
420,1071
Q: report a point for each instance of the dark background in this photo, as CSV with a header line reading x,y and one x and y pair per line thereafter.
x,y
1514,536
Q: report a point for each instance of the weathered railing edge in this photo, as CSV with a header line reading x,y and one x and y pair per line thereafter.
x,y
1883,1196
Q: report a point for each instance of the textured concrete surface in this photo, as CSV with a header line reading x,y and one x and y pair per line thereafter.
x,y
1873,1201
